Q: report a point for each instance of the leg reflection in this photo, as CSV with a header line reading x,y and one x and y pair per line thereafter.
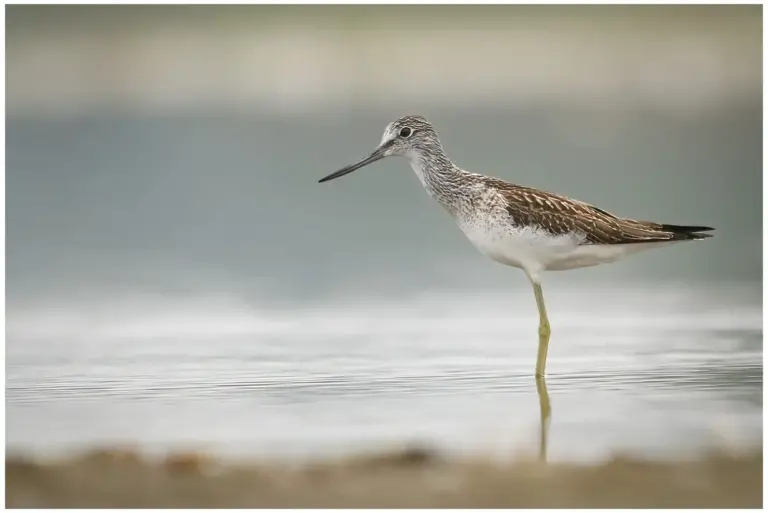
x,y
545,412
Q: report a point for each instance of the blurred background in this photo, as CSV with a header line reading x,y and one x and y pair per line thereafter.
x,y
177,277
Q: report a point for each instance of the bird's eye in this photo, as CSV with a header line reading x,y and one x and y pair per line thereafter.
x,y
405,132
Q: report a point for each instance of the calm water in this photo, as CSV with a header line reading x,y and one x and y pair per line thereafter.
x,y
186,282
663,370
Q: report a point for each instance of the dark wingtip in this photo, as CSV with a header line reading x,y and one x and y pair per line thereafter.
x,y
688,232
674,228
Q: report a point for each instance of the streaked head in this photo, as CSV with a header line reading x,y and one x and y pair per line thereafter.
x,y
408,136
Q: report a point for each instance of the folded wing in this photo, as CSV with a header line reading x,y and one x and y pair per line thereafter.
x,y
560,215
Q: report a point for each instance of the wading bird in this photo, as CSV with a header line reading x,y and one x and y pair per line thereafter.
x,y
519,226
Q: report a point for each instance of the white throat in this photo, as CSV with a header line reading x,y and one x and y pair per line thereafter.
x,y
418,168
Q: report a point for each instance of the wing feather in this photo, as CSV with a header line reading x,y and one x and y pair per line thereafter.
x,y
560,215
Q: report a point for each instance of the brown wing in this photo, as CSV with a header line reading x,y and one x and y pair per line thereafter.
x,y
560,215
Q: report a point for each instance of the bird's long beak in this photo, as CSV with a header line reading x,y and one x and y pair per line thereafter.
x,y
378,154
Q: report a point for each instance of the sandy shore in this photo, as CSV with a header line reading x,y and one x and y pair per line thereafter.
x,y
410,478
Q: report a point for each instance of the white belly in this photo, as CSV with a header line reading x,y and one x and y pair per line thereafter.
x,y
595,254
536,250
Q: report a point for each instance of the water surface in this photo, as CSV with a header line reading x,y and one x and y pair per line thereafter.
x,y
662,371
184,281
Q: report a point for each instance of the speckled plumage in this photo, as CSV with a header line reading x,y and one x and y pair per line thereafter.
x,y
491,211
516,225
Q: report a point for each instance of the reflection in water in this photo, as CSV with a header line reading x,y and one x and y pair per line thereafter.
x,y
545,413
443,371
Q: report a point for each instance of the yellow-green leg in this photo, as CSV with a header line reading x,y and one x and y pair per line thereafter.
x,y
544,330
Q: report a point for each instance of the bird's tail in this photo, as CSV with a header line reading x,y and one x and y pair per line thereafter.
x,y
687,232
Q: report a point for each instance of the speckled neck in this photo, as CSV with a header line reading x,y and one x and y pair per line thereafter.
x,y
441,178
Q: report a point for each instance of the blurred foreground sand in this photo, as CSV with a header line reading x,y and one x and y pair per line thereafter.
x,y
410,478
